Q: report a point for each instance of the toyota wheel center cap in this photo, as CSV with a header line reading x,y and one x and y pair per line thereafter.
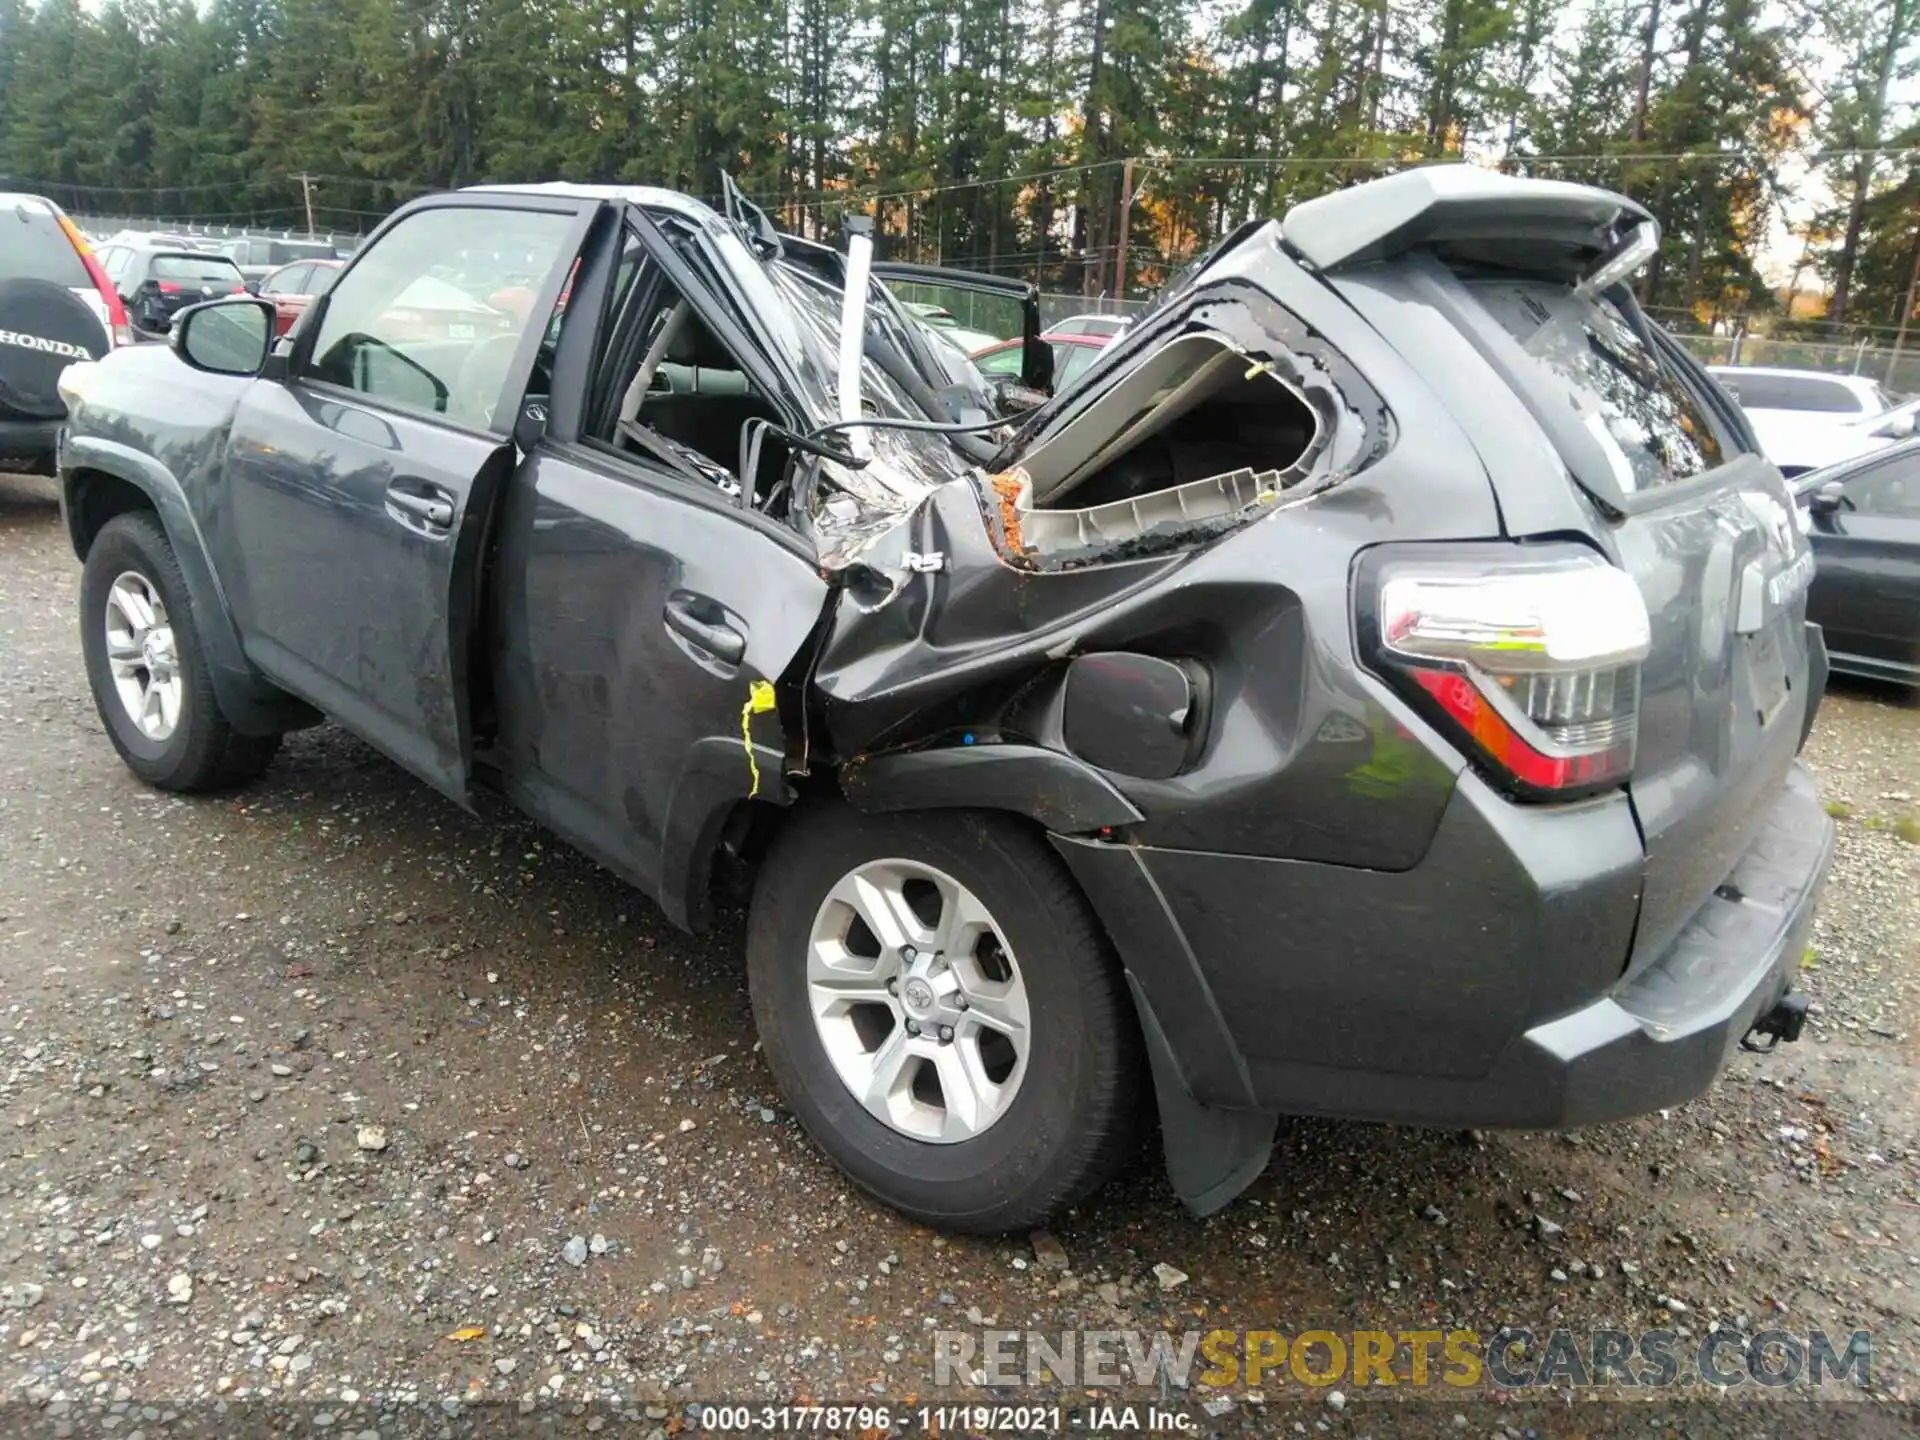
x,y
918,996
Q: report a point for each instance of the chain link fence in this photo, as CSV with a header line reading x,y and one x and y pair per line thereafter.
x,y
1055,307
100,227
1897,371
982,313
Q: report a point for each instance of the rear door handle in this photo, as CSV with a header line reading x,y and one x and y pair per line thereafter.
x,y
717,638
433,509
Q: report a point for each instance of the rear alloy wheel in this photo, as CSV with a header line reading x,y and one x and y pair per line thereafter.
x,y
150,679
918,1002
941,1010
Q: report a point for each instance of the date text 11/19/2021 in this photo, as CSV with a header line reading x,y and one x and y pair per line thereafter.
x,y
860,1419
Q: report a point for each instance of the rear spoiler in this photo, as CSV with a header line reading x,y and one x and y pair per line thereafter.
x,y
1459,204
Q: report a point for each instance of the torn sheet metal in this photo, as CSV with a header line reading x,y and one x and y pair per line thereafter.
x,y
1229,337
848,509
1229,333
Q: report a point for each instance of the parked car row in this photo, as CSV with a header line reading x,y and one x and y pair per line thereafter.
x,y
125,288
155,269
1806,419
157,280
260,257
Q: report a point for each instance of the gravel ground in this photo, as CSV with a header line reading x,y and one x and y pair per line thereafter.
x,y
329,1097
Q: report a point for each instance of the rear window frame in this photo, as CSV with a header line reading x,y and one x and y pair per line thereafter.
x,y
42,223
1426,279
1716,446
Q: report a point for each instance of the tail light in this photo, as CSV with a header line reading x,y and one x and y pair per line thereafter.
x,y
119,329
1530,657
167,287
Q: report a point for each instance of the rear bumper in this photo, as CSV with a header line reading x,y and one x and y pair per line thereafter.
x,y
1661,1038
28,441
1484,988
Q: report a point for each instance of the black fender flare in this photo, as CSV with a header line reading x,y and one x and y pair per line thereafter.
x,y
252,704
1064,795
1213,1151
714,778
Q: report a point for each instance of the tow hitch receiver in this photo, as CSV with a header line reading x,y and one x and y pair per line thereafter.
x,y
1783,1022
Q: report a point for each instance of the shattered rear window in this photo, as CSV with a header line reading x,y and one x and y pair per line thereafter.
x,y
1653,427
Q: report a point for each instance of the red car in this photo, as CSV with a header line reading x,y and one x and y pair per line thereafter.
x,y
292,288
1072,354
430,309
427,310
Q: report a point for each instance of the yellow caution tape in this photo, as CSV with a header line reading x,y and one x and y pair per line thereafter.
x,y
759,700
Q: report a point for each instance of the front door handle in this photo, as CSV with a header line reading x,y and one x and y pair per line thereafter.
x,y
434,510
717,638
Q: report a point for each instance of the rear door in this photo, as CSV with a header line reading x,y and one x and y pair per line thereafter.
x,y
1867,592
359,487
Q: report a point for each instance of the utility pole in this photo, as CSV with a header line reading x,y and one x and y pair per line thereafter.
x,y
1649,38
1126,217
306,194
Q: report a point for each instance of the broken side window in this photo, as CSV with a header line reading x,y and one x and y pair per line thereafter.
x,y
1234,411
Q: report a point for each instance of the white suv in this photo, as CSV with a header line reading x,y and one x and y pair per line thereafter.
x,y
1803,418
56,307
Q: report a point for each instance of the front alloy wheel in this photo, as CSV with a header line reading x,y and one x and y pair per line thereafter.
x,y
140,648
918,1001
149,675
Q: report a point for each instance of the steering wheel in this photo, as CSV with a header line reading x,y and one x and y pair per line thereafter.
x,y
482,373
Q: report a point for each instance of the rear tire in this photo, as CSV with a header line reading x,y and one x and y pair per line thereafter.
x,y
1038,1121
150,681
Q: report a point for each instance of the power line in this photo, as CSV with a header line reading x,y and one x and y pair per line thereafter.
x,y
211,186
1616,157
851,194
820,199
809,200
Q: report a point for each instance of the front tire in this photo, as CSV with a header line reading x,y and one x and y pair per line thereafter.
x,y
148,670
941,1010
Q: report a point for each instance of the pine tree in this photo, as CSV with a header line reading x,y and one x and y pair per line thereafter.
x,y
990,132
1879,39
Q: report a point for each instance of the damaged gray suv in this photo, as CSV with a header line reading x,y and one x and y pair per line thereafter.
x,y
1372,689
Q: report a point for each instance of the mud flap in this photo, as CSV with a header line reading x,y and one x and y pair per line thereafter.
x,y
1817,672
1212,1155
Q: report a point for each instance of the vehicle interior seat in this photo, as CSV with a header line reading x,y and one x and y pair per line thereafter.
x,y
689,388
